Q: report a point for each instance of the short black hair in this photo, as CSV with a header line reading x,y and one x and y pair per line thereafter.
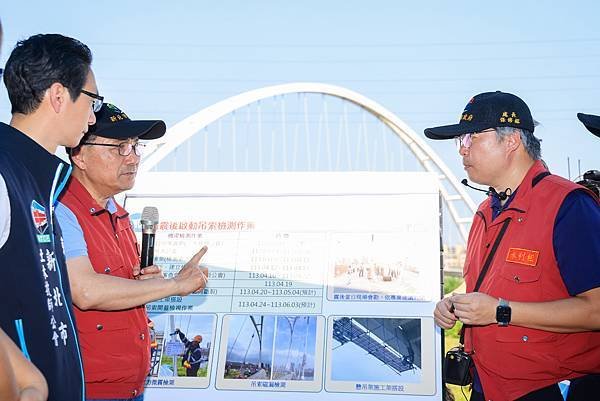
x,y
40,61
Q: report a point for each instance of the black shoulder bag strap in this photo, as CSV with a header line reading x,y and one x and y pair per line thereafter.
x,y
486,266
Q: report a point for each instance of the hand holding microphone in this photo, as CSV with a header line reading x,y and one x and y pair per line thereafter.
x,y
148,273
191,278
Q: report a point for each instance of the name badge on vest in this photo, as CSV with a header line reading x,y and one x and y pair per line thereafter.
x,y
523,256
40,222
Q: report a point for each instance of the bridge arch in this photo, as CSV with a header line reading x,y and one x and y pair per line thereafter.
x,y
453,193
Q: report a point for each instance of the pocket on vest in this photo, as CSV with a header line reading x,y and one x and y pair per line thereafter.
x,y
107,345
112,264
528,353
520,274
524,335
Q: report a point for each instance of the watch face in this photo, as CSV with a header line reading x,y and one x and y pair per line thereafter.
x,y
503,315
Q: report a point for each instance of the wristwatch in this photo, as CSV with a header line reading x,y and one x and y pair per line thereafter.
x,y
503,313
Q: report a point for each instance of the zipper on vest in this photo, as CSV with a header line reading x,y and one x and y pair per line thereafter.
x,y
54,193
112,223
21,334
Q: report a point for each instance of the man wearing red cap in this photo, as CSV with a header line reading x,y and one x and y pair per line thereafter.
x,y
109,288
532,269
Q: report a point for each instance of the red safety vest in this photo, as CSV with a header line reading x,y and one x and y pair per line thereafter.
x,y
115,344
513,361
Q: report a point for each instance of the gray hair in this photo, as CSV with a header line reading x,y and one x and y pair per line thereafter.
x,y
86,138
530,142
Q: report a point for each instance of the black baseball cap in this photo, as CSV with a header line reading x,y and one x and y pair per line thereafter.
x,y
591,122
111,122
487,110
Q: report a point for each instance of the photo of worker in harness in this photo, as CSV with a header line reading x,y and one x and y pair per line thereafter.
x,y
181,347
192,358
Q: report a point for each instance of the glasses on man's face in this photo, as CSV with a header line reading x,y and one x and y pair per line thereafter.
x,y
97,100
125,148
466,140
463,140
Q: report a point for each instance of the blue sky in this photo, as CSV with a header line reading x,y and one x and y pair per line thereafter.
x,y
422,60
302,333
241,327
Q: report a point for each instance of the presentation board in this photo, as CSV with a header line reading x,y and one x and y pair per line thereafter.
x,y
321,285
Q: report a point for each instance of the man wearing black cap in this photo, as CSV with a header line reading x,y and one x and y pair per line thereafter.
x,y
109,288
591,122
532,269
591,178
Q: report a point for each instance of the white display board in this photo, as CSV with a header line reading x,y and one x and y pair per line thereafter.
x,y
321,285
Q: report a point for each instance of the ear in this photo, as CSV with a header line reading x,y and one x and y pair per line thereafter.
x,y
513,141
57,96
78,158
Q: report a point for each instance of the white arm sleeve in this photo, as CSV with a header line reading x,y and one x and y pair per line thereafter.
x,y
4,212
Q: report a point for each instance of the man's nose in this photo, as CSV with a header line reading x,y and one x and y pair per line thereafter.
x,y
92,118
132,158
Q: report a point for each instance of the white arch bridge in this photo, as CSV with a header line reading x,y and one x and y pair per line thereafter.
x,y
305,127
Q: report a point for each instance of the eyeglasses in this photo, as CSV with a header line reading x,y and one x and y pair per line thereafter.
x,y
125,148
96,102
465,140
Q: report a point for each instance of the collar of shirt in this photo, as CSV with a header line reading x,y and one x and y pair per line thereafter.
x,y
111,205
497,206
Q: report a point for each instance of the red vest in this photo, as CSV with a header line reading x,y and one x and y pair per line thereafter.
x,y
115,344
513,361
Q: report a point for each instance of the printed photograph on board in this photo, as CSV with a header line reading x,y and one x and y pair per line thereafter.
x,y
294,357
375,267
380,355
181,349
249,347
271,352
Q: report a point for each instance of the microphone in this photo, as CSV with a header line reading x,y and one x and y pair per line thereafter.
x,y
466,184
491,191
149,222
